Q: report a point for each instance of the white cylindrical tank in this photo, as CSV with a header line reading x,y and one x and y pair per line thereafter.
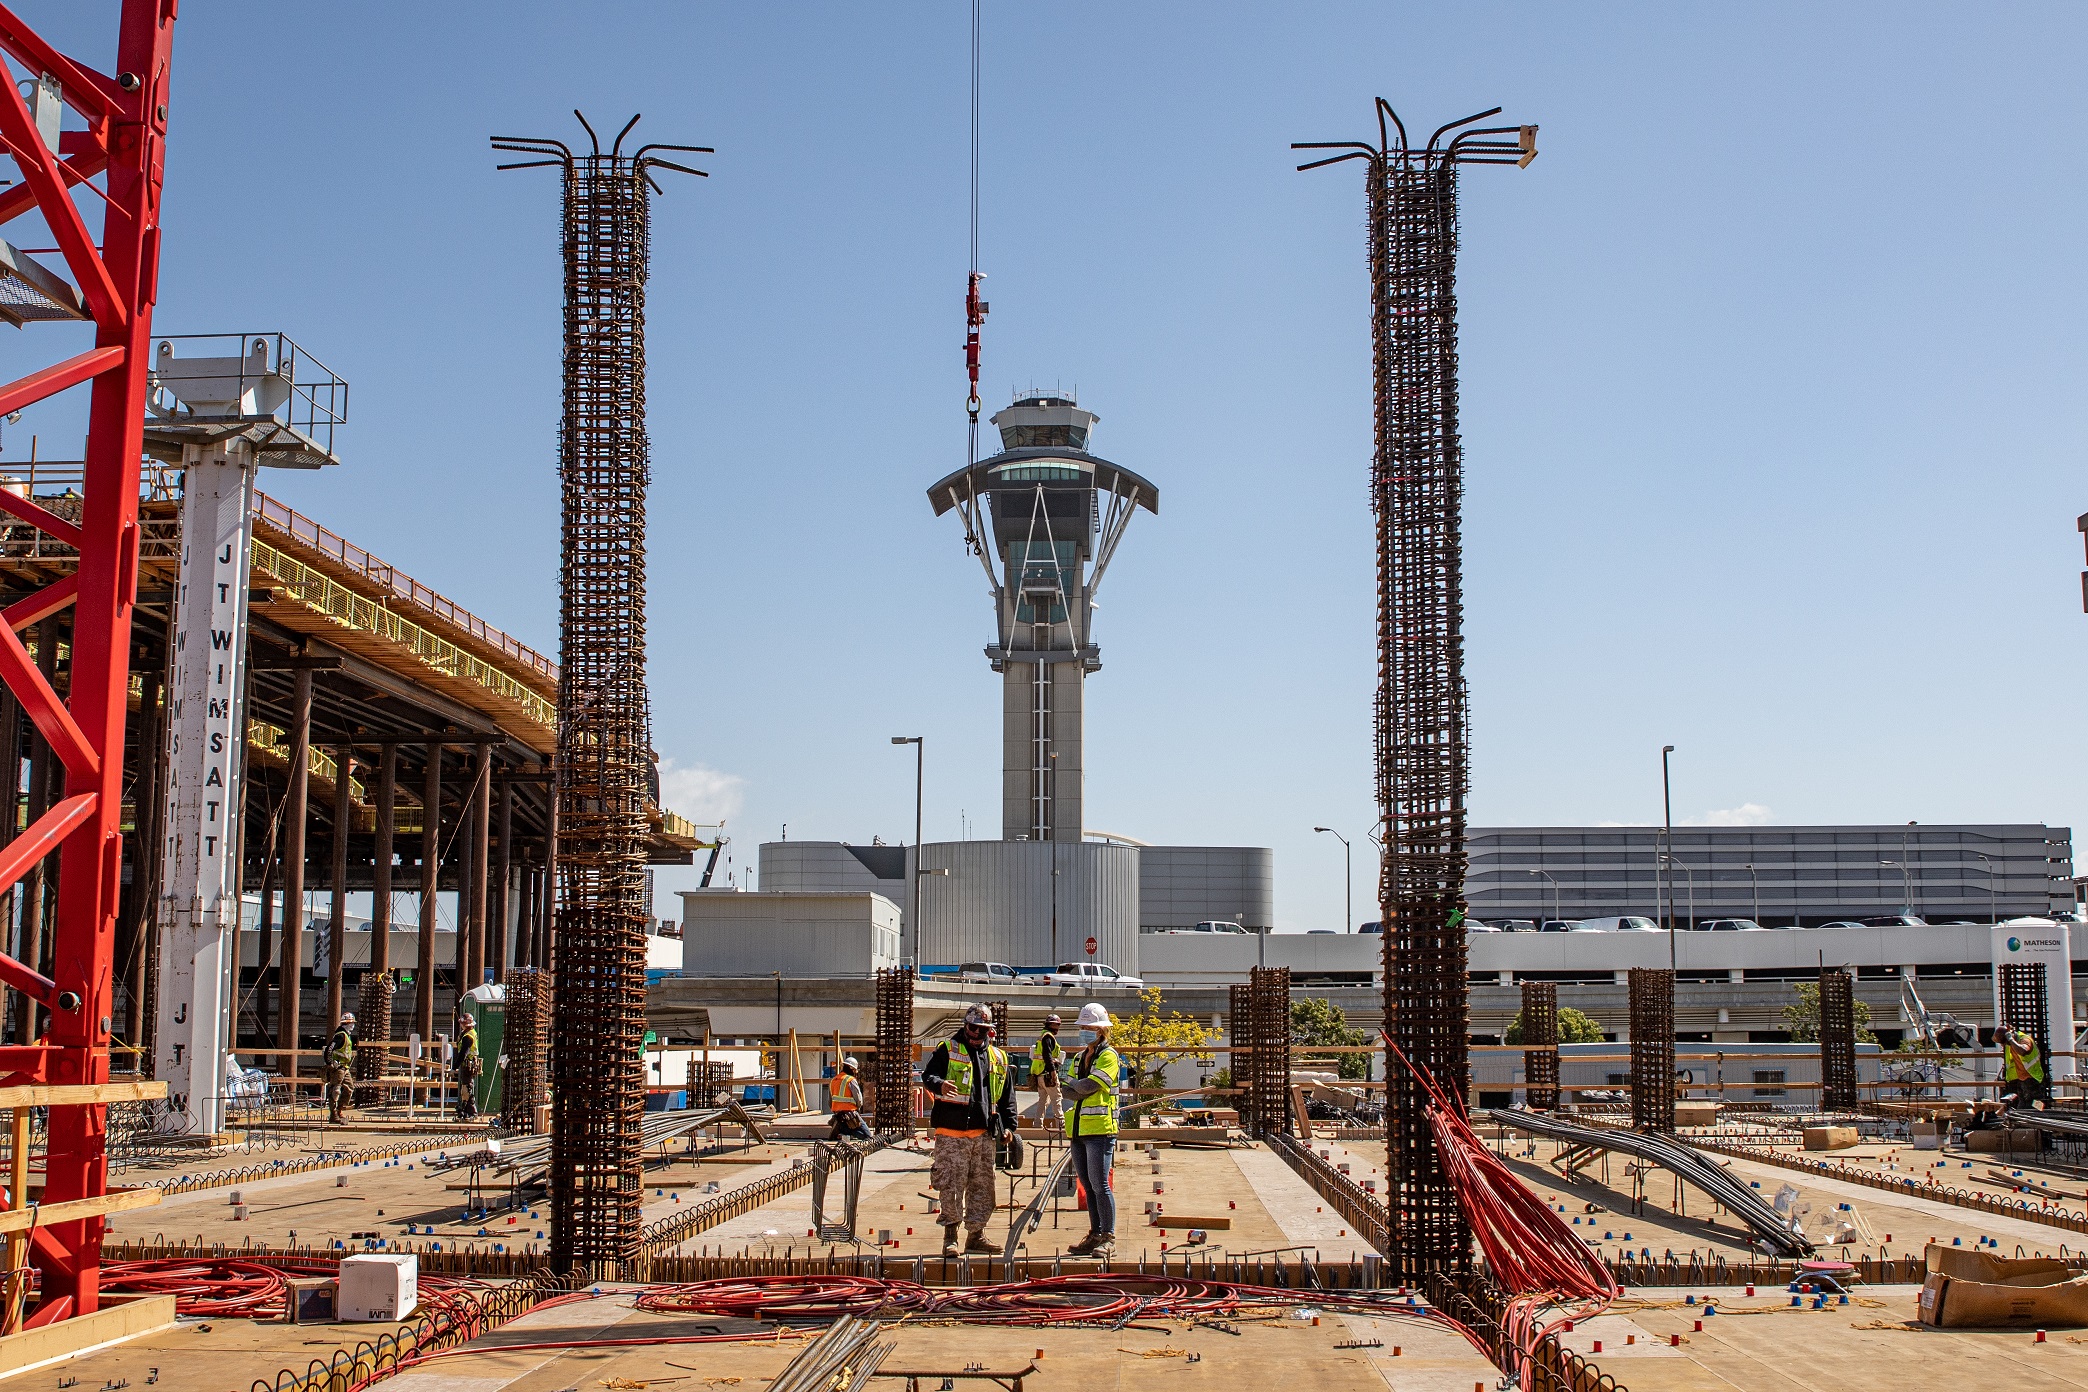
x,y
996,903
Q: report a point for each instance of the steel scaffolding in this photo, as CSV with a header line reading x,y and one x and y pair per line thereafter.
x,y
604,763
1837,1040
1652,996
1540,1038
1421,740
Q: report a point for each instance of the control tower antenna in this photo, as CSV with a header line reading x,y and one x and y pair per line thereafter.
x,y
604,722
1417,486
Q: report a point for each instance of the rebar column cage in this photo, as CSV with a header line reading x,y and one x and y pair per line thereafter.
x,y
1000,1023
1239,1025
373,1012
1269,1081
524,1039
1540,1038
1421,741
706,1081
891,1097
1652,995
604,761
2023,1004
1837,1040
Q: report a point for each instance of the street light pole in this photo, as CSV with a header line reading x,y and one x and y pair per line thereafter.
x,y
1667,822
913,889
1993,899
1906,883
1558,908
1757,892
1348,882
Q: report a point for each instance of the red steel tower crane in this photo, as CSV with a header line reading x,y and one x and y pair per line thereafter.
x,y
114,285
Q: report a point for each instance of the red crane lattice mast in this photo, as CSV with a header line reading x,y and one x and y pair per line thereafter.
x,y
125,118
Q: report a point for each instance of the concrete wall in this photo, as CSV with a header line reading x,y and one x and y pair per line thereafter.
x,y
995,904
811,934
1183,885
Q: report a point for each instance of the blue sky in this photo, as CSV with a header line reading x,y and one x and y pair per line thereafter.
x,y
1771,370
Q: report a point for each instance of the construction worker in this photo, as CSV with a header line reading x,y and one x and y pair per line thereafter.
x,y
340,1066
968,1078
1092,1077
468,1065
1047,1058
2022,1069
846,1092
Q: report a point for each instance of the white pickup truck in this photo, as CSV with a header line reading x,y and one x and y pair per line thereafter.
x,y
1090,974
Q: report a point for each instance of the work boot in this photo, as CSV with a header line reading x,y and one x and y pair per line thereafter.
x,y
950,1247
1102,1245
977,1243
1082,1247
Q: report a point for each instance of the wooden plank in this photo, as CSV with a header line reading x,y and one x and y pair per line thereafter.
x,y
118,1319
79,1094
45,1215
1170,1220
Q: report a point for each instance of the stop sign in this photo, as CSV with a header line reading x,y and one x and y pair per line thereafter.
x,y
1091,946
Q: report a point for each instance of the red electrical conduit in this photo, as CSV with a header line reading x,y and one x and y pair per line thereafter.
x,y
1530,1253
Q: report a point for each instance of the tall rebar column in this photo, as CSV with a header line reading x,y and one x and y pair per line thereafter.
x,y
1239,1026
1652,997
891,1098
604,734
2023,1003
1540,1040
1269,1081
1837,1041
1421,743
528,1012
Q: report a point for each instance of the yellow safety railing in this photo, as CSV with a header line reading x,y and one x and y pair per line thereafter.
x,y
323,594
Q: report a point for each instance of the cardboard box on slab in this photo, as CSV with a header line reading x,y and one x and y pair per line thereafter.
x,y
1973,1290
375,1286
1830,1137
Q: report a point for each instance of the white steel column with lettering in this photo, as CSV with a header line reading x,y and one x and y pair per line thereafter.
x,y
206,722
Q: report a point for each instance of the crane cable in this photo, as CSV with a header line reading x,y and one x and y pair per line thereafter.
x,y
974,307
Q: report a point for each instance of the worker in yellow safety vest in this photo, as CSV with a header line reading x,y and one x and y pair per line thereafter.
x,y
968,1077
2023,1082
1092,1078
846,1094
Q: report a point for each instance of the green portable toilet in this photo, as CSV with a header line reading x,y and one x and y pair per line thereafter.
x,y
487,1007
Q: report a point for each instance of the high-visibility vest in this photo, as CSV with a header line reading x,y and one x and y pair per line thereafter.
x,y
847,1092
2021,1063
340,1052
959,1072
1049,1054
1096,1115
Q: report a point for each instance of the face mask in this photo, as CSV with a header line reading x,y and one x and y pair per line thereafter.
x,y
1088,1036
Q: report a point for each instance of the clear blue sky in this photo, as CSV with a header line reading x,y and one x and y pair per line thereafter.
x,y
1771,365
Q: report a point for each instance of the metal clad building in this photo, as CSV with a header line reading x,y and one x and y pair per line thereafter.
x,y
1778,875
995,903
1180,886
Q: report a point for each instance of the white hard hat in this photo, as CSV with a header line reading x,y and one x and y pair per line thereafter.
x,y
976,1015
347,1017
1093,1015
849,1062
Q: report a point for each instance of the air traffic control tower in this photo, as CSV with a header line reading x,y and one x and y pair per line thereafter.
x,y
1043,516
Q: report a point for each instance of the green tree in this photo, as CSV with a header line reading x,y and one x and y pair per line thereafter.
x,y
1803,1019
1320,1022
1172,1035
1575,1027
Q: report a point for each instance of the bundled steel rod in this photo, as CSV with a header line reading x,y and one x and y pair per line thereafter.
x,y
1417,486
605,765
1695,1168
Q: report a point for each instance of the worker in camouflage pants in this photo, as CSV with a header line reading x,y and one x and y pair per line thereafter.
x,y
974,1106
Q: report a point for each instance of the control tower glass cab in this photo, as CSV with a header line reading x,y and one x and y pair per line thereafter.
x,y
1043,516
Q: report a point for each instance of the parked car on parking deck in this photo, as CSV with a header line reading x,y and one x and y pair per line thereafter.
x,y
1900,920
1622,924
1842,923
1090,974
1731,925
